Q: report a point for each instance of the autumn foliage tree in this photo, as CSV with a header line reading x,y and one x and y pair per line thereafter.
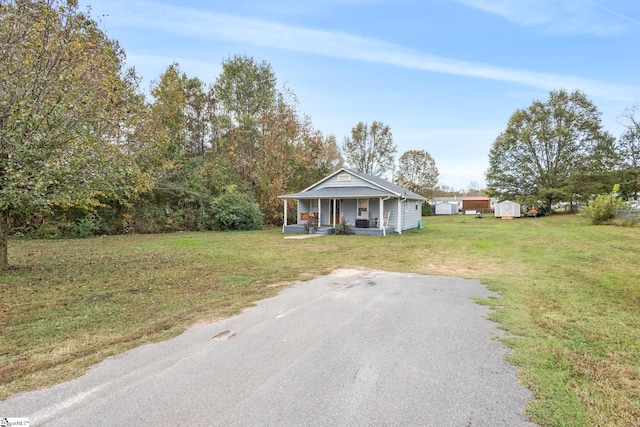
x,y
263,138
64,100
79,141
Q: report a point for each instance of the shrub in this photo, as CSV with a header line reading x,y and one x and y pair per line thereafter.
x,y
234,211
310,224
602,208
81,228
343,227
49,229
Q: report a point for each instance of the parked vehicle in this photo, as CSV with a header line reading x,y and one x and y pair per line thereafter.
x,y
532,211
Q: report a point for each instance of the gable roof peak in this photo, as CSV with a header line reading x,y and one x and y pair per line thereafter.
x,y
375,181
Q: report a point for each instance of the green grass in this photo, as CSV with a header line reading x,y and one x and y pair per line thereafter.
x,y
570,298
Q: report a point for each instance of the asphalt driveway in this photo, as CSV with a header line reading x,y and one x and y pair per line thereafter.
x,y
356,347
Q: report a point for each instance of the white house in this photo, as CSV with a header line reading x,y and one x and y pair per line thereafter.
x,y
369,204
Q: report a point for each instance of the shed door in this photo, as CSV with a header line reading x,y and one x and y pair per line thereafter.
x,y
508,209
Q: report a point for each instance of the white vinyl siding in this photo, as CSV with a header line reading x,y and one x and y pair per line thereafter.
x,y
411,215
334,181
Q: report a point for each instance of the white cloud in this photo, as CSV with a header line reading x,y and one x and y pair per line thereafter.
x,y
293,7
214,26
613,12
524,12
562,17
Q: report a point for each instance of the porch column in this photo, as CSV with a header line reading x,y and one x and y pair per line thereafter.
x,y
381,214
319,209
285,215
399,216
334,213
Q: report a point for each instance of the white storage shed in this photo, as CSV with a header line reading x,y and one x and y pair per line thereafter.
x,y
507,208
446,209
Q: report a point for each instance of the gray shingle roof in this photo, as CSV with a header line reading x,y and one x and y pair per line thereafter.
x,y
338,193
386,184
384,189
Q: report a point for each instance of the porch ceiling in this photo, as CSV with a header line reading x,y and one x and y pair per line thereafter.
x,y
338,193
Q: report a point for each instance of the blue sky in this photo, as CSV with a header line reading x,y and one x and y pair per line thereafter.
x,y
445,75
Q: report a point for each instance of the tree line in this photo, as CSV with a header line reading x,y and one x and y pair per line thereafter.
x,y
83,149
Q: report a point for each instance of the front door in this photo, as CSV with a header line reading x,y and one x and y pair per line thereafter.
x,y
329,215
335,215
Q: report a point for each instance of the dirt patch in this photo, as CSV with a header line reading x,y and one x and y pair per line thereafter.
x,y
302,236
462,270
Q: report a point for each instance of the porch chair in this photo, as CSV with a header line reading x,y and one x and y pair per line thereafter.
x,y
385,221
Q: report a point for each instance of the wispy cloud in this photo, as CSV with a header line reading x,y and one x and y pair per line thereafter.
x,y
294,7
213,26
561,17
613,12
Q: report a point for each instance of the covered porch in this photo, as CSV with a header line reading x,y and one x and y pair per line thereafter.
x,y
366,214
299,229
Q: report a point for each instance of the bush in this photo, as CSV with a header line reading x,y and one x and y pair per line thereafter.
x,y
81,228
234,211
343,227
602,208
49,229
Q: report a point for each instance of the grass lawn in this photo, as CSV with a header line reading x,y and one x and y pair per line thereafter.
x,y
570,298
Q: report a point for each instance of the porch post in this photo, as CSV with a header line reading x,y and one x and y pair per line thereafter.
x,y
381,214
399,215
285,215
319,213
334,213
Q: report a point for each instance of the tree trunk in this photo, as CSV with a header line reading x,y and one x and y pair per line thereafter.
x,y
4,238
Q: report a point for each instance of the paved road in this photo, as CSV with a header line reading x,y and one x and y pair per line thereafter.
x,y
353,348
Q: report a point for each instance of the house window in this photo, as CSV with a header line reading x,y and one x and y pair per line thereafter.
x,y
344,177
313,205
363,208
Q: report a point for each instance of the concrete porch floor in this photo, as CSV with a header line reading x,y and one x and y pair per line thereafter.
x,y
323,230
